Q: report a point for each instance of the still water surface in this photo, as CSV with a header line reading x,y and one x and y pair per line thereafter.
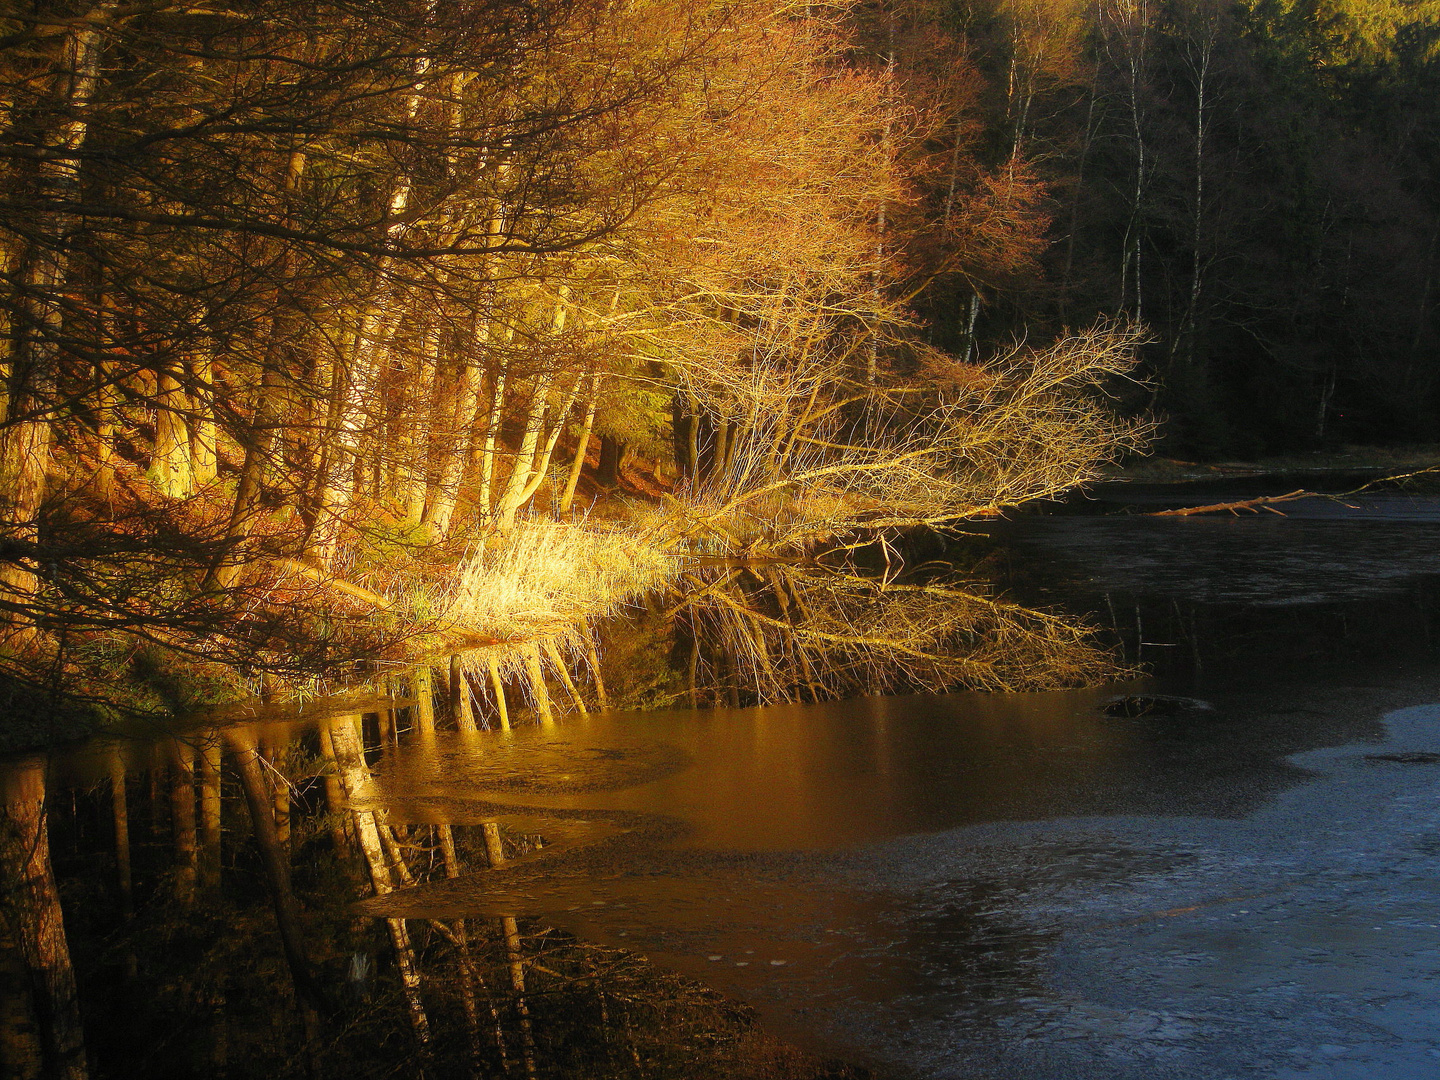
x,y
1021,885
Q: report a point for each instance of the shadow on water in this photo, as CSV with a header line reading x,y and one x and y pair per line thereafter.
x,y
897,880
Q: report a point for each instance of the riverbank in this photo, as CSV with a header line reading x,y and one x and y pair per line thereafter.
x,y
1380,460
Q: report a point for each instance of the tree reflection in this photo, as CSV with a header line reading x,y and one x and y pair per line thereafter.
x,y
273,973
765,633
220,889
36,927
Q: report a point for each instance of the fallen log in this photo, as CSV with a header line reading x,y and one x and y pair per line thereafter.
x,y
1264,502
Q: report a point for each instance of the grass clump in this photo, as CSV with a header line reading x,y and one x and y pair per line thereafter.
x,y
546,576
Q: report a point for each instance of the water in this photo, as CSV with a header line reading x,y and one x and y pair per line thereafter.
x,y
1022,885
969,885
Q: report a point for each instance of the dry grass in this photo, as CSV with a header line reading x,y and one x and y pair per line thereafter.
x,y
546,575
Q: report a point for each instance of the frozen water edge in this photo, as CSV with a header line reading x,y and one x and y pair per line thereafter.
x,y
1299,942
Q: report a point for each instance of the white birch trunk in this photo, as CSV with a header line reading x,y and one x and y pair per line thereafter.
x,y
517,486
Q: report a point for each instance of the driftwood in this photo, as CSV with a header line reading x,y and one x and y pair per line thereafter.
x,y
1264,502
1253,505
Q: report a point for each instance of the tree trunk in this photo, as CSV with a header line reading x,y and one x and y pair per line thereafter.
x,y
106,408
354,391
460,711
612,454
514,950
592,654
335,806
203,444
486,448
280,797
264,429
553,652
441,502
422,689
498,685
21,1055
170,471
582,446
413,433
537,685
518,487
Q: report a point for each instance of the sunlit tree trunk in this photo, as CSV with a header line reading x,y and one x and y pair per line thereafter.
x,y
417,412
335,806
487,446
538,689
582,445
553,651
592,655
105,409
422,690
519,486
540,468
170,463
1129,43
263,437
497,685
440,506
355,389
203,443
35,918
461,713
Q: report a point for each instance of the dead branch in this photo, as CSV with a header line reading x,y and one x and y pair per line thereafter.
x,y
1264,502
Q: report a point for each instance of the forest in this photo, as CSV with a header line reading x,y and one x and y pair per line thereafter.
x,y
306,307
390,347
310,308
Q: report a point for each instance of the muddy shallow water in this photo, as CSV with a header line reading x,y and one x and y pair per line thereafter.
x,y
1022,885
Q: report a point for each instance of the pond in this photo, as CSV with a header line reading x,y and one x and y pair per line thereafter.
x,y
1228,871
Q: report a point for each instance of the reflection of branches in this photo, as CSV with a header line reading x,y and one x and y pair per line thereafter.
x,y
782,632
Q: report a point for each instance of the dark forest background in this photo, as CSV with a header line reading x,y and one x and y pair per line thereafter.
x,y
1254,182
